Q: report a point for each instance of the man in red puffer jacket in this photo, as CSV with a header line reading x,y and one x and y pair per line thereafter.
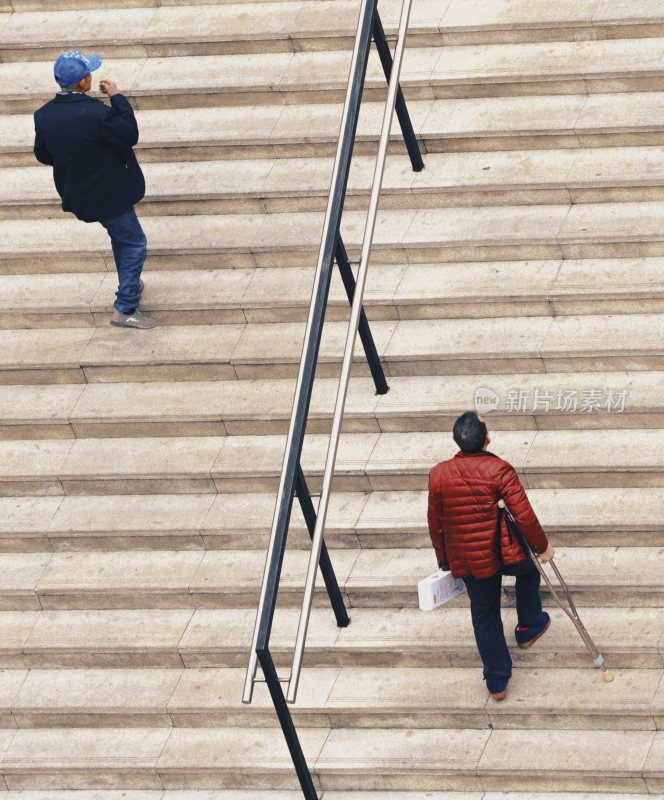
x,y
472,540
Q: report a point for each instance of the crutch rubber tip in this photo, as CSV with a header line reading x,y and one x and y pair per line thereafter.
x,y
607,675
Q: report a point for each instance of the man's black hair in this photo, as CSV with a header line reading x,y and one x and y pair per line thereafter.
x,y
469,432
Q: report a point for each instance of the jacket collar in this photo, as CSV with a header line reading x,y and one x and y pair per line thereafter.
x,y
461,454
71,98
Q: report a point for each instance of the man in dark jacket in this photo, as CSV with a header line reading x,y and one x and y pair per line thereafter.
x,y
89,146
472,541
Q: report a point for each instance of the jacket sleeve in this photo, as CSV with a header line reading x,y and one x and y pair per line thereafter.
x,y
118,125
517,501
435,519
41,152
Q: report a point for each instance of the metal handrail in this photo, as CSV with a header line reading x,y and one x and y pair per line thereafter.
x,y
351,338
292,482
310,347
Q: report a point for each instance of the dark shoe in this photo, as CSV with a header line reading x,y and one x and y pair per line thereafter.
x,y
526,637
135,320
497,689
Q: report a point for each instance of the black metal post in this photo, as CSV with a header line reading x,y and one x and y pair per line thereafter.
x,y
326,568
365,331
401,109
287,725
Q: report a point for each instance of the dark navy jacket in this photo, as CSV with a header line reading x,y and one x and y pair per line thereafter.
x,y
89,146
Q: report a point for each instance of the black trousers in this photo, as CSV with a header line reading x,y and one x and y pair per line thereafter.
x,y
485,594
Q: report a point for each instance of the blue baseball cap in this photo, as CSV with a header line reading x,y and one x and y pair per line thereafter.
x,y
73,66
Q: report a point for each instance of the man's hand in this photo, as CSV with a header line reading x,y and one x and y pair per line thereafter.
x,y
108,87
547,555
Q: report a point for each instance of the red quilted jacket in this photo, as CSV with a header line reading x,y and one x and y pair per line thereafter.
x,y
463,515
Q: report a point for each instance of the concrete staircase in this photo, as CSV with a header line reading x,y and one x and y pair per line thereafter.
x,y
138,469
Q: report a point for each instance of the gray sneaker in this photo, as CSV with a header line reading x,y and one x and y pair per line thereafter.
x,y
135,320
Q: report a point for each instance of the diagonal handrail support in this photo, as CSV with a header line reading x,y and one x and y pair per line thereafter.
x,y
366,336
400,104
326,568
292,481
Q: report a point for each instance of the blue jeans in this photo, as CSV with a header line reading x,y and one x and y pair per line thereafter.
x,y
129,250
484,594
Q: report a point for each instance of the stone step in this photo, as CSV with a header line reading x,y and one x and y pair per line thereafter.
x,y
562,68
407,759
441,125
508,21
629,638
593,175
536,401
276,794
134,28
470,291
342,697
296,794
572,517
235,351
423,236
378,578
366,462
